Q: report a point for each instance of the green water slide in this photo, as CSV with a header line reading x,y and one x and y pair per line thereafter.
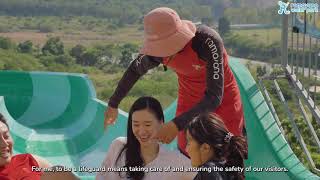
x,y
57,116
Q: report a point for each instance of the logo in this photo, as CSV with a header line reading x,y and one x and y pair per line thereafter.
x,y
283,7
197,67
297,7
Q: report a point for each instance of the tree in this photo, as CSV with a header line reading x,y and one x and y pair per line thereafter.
x,y
90,57
236,3
53,46
201,11
126,54
218,8
249,64
77,52
261,71
207,21
224,26
129,15
4,28
264,69
6,43
47,60
46,27
64,59
25,47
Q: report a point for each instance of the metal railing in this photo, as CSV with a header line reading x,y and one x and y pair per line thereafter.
x,y
300,53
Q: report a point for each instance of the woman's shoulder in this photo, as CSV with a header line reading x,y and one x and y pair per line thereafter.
x,y
173,157
112,157
24,158
210,174
176,160
164,151
116,145
119,141
32,159
43,163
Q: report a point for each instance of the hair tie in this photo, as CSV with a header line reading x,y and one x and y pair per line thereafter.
x,y
228,137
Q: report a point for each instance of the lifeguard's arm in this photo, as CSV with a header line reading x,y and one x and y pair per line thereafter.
x,y
209,47
137,68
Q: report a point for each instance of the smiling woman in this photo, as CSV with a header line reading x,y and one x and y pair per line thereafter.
x,y
17,166
141,155
23,166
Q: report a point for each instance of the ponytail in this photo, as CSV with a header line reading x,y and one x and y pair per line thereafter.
x,y
238,151
209,128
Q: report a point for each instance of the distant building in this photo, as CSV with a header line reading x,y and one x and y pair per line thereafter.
x,y
197,23
250,26
311,89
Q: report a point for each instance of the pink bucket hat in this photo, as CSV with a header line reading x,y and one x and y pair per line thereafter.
x,y
165,33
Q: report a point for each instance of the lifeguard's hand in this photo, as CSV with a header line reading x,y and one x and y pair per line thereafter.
x,y
167,132
110,116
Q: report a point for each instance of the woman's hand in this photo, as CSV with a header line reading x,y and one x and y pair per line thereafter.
x,y
167,132
110,116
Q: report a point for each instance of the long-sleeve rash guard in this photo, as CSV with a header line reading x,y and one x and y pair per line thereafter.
x,y
206,82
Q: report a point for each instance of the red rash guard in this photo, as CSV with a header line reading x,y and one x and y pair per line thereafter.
x,y
20,167
206,82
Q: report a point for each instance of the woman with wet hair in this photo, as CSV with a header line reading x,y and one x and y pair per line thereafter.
x,y
135,156
211,146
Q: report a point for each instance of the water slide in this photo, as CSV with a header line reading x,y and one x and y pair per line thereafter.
x,y
57,116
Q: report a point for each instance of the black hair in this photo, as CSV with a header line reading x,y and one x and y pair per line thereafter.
x,y
209,128
3,120
132,147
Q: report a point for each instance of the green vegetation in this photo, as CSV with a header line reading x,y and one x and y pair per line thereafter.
x,y
11,60
6,43
224,26
264,45
264,36
289,95
48,24
116,12
104,64
251,15
253,44
241,46
56,15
